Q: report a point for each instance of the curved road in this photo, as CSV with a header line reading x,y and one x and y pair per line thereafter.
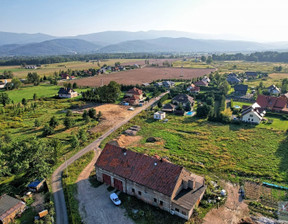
x,y
59,200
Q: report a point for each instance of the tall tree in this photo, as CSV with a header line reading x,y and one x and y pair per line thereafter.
x,y
4,99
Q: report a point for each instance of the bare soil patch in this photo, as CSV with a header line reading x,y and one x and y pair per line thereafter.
x,y
125,141
139,76
232,211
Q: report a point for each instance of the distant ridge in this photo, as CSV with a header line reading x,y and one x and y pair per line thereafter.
x,y
12,44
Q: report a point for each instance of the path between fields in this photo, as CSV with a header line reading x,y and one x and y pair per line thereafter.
x,y
94,203
231,212
59,200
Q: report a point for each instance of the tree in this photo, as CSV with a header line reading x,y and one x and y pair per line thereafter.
x,y
16,83
34,97
4,99
37,123
231,104
82,135
33,78
74,141
188,107
53,122
203,58
92,113
24,101
204,110
47,130
87,119
159,104
225,87
99,115
74,85
209,60
85,114
69,85
68,122
69,113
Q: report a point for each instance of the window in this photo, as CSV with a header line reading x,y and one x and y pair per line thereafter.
x,y
133,190
139,192
155,199
251,115
176,209
184,213
161,202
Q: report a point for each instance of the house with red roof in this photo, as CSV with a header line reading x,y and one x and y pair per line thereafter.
x,y
153,180
201,83
273,103
133,96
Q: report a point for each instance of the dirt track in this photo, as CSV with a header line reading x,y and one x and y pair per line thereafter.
x,y
231,212
143,75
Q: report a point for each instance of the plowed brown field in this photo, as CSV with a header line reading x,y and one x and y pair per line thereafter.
x,y
143,75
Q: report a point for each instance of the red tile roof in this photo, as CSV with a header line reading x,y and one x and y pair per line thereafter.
x,y
201,83
155,174
272,102
135,91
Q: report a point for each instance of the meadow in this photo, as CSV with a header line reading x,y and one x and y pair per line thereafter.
x,y
230,151
49,69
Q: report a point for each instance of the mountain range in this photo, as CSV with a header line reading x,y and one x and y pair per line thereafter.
x,y
18,44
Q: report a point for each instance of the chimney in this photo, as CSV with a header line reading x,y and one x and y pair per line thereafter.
x,y
191,184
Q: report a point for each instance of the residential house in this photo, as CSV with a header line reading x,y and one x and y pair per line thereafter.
x,y
168,107
10,208
273,103
274,90
3,82
183,99
145,84
251,75
193,89
233,79
240,89
206,79
65,76
67,93
201,83
160,115
168,84
153,180
30,67
158,84
253,114
133,96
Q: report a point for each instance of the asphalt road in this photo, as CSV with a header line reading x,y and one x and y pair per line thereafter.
x,y
59,200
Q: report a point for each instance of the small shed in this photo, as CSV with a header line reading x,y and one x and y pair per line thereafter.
x,y
36,185
9,208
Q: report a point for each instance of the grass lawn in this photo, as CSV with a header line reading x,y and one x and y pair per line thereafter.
x,y
228,150
43,90
70,186
278,124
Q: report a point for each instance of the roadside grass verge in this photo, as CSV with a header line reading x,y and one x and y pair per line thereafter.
x,y
70,176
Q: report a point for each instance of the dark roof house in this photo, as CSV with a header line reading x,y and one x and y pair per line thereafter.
x,y
273,103
233,80
252,75
201,83
168,107
241,89
184,99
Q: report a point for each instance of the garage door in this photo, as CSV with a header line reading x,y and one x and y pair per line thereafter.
x,y
106,179
118,184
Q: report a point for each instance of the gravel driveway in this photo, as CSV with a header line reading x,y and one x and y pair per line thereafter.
x,y
95,205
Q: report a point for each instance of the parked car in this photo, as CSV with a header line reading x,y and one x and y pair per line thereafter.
x,y
114,198
131,108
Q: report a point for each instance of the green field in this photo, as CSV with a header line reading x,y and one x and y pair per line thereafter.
x,y
231,151
43,90
49,69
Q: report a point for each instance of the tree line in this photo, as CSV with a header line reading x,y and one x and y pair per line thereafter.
x,y
268,56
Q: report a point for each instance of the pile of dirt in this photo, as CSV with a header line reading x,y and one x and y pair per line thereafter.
x,y
125,141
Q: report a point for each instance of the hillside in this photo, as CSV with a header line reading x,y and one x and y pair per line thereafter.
x,y
51,47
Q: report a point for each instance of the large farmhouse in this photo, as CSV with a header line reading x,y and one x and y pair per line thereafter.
x,y
10,208
153,180
273,103
133,96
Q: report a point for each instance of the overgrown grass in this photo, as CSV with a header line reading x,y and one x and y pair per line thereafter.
x,y
70,186
230,151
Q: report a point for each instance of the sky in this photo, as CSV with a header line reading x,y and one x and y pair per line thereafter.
x,y
255,20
